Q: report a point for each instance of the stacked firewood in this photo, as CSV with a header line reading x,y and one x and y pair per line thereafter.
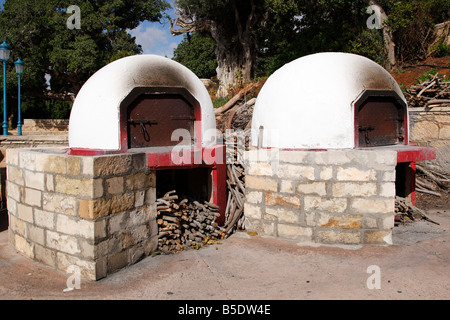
x,y
234,119
431,93
406,212
431,181
434,92
237,144
186,224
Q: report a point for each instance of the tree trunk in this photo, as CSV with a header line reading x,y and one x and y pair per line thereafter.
x,y
389,44
228,71
236,53
234,68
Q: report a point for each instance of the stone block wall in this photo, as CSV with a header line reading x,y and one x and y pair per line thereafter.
x,y
16,142
97,213
45,126
341,197
431,128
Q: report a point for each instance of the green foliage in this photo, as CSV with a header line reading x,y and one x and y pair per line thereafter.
x,y
56,109
441,49
313,26
291,29
38,33
197,52
412,24
426,76
370,44
221,101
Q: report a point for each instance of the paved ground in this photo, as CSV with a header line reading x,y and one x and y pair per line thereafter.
x,y
245,267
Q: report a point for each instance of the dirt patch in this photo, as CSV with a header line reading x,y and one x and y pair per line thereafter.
x,y
408,75
411,233
427,201
430,202
436,208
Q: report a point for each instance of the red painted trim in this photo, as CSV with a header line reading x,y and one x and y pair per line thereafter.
x,y
406,128
123,126
214,157
356,124
219,190
412,185
167,159
184,157
414,154
91,152
198,126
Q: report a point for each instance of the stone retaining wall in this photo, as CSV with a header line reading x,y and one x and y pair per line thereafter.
x,y
97,213
45,126
343,197
431,128
15,142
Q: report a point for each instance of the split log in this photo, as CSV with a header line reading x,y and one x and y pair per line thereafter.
x,y
421,190
235,99
440,179
434,92
186,224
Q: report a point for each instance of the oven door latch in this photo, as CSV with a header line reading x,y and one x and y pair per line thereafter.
x,y
142,124
366,131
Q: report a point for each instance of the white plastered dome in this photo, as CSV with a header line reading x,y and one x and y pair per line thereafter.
x,y
309,103
95,117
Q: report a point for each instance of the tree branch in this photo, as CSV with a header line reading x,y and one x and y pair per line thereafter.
x,y
185,27
188,25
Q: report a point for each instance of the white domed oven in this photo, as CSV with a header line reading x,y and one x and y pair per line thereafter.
x,y
153,105
330,101
140,128
334,128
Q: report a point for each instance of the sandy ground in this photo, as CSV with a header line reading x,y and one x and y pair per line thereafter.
x,y
257,268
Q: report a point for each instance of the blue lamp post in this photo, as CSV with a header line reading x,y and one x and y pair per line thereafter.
x,y
19,70
5,50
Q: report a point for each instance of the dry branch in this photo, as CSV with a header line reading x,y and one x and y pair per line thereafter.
x,y
434,92
406,212
235,99
440,179
237,144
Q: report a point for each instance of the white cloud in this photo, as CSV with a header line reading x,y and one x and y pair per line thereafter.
x,y
155,39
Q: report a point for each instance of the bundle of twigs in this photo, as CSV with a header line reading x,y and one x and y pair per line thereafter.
x,y
237,144
431,181
406,212
434,92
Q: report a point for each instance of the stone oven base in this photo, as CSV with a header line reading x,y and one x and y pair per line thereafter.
x,y
96,213
336,197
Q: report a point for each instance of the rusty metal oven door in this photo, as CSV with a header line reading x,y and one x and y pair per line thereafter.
x,y
152,118
381,122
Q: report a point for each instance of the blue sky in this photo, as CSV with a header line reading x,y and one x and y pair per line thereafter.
x,y
154,37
